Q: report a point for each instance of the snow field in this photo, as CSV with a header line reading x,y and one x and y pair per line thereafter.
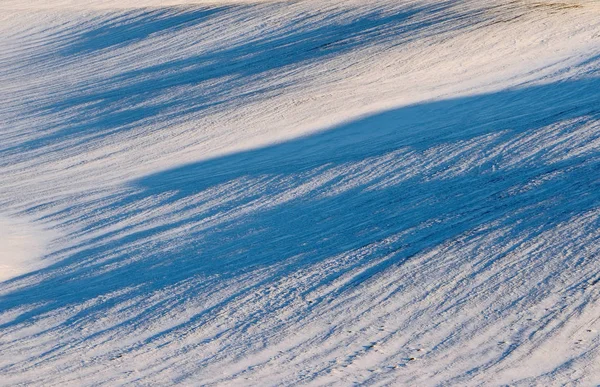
x,y
306,192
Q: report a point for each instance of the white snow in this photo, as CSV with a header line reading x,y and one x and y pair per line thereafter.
x,y
22,244
311,192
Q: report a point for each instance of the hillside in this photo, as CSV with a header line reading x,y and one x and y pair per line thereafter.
x,y
299,192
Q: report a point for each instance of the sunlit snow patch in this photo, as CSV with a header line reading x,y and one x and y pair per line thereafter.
x,y
22,245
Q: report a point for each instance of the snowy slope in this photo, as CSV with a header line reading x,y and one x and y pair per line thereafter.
x,y
309,192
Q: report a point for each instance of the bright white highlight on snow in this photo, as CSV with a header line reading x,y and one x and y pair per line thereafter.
x,y
316,192
22,244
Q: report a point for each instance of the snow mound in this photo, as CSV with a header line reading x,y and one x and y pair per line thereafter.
x,y
22,245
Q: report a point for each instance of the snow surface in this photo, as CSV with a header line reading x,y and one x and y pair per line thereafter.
x,y
22,244
309,192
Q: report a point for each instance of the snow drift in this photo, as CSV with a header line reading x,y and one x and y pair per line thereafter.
x,y
280,193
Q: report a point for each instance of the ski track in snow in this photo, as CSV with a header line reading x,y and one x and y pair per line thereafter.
x,y
313,192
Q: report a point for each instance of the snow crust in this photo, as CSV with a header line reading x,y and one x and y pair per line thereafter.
x,y
288,193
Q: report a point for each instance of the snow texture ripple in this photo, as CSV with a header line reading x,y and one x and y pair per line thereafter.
x,y
300,193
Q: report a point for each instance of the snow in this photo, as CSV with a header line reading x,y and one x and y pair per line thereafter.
x,y
22,244
314,192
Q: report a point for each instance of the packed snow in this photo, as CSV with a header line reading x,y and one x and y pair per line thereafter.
x,y
328,192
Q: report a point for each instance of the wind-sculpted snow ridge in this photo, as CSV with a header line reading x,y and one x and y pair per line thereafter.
x,y
314,192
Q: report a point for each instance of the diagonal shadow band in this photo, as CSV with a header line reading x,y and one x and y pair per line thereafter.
x,y
255,211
